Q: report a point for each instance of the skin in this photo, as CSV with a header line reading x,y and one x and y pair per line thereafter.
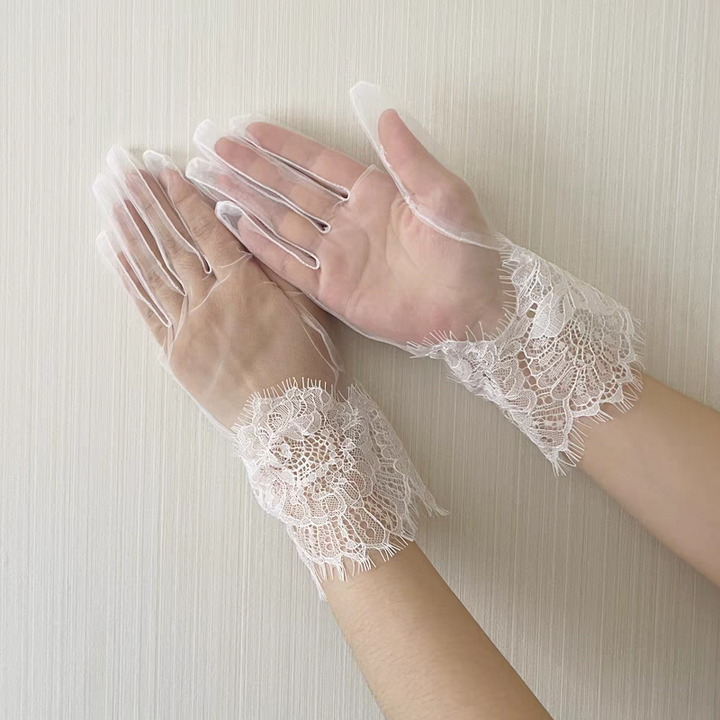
x,y
382,270
422,653
238,329
660,460
395,278
217,347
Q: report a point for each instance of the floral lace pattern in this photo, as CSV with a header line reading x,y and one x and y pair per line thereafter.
x,y
565,351
334,472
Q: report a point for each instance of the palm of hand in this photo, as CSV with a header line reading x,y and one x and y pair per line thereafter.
x,y
376,263
390,274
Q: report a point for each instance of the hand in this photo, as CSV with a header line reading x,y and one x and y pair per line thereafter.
x,y
255,354
228,328
355,240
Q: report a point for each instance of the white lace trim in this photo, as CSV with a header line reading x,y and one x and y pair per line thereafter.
x,y
565,351
334,471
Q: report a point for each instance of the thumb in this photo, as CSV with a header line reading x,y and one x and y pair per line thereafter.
x,y
434,194
413,167
415,171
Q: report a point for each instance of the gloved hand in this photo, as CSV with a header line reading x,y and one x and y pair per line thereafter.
x,y
257,357
406,257
343,233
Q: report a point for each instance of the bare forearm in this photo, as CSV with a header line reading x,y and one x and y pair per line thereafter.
x,y
422,653
661,462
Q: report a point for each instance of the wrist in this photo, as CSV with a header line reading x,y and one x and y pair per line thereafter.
x,y
332,469
562,353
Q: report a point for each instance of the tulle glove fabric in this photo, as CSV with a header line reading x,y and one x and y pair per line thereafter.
x,y
566,354
404,255
256,355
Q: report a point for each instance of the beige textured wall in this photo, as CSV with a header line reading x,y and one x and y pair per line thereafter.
x,y
138,579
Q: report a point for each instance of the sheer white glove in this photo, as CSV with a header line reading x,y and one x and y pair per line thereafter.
x,y
255,354
406,257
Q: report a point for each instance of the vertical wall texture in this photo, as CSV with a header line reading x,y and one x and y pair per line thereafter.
x,y
138,578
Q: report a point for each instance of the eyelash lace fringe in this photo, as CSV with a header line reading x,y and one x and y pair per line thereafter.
x,y
564,351
332,469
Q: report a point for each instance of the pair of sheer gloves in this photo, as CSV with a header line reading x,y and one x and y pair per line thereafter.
x,y
236,265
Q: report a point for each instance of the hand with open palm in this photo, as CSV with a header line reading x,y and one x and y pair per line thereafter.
x,y
372,248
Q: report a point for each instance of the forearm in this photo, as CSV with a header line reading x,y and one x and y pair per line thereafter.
x,y
661,462
422,653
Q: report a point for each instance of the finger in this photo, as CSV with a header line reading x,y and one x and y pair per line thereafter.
x,y
403,154
331,168
267,250
173,241
218,245
138,246
156,163
178,246
319,327
110,198
313,315
435,194
294,232
135,237
419,172
300,192
118,264
231,215
159,330
207,137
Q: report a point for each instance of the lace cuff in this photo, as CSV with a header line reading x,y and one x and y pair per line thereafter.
x,y
333,470
565,351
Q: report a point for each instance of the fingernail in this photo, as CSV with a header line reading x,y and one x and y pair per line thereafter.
x,y
229,215
239,124
124,170
198,169
135,182
160,166
119,161
203,174
206,135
